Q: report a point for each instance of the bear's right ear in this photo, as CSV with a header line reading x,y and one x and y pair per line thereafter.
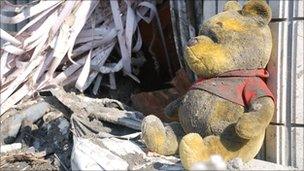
x,y
259,10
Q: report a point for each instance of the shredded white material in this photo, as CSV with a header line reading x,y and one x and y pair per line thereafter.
x,y
68,42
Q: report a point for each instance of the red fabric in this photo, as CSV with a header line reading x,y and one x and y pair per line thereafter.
x,y
239,86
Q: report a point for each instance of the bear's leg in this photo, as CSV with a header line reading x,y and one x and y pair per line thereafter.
x,y
193,148
159,138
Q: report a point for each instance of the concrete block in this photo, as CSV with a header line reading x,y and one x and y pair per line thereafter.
x,y
298,6
277,144
279,8
297,151
277,68
297,73
264,165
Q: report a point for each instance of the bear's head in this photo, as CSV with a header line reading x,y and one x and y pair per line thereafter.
x,y
237,38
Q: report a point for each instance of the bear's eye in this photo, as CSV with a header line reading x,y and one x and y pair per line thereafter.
x,y
220,24
206,31
212,35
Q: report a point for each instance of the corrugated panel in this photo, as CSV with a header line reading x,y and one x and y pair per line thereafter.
x,y
183,28
178,25
198,8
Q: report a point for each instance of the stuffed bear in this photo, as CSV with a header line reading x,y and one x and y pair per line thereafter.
x,y
229,107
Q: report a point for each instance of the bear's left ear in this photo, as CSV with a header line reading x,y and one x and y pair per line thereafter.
x,y
232,5
259,10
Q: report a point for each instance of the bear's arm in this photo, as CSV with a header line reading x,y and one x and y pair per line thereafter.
x,y
255,121
171,110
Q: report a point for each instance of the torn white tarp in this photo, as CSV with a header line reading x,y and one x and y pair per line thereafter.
x,y
86,155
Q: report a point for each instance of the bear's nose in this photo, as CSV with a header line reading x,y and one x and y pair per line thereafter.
x,y
192,41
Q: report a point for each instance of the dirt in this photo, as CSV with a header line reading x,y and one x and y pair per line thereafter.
x,y
27,166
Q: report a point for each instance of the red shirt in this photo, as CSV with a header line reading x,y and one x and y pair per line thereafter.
x,y
238,86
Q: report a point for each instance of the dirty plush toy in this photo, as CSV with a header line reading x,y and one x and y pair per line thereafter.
x,y
227,111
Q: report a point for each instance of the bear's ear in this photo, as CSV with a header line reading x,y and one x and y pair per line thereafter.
x,y
259,10
232,5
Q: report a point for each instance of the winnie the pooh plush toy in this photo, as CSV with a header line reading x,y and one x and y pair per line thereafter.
x,y
228,109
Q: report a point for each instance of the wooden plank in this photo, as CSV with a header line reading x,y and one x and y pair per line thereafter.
x,y
297,151
297,74
191,17
277,68
277,144
298,6
279,8
209,9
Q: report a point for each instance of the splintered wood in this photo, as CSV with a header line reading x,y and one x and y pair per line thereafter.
x,y
97,108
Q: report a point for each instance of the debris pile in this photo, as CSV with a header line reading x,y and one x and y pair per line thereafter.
x,y
70,131
63,130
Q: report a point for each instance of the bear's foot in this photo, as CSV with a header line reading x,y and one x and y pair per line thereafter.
x,y
158,138
192,150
